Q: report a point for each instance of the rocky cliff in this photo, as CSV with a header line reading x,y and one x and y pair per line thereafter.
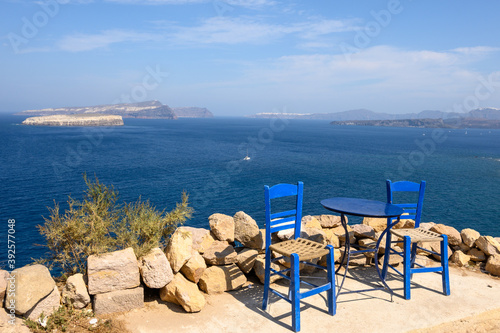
x,y
192,112
75,120
149,109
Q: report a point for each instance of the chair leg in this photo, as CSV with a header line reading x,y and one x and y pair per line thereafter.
x,y
413,257
332,301
444,264
407,266
387,254
295,287
267,277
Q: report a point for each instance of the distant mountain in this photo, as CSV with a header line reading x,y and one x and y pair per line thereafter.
x,y
192,112
363,114
148,109
424,123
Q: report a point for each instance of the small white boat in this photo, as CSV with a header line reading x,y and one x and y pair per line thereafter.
x,y
246,158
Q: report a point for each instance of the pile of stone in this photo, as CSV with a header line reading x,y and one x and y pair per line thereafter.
x,y
199,261
466,248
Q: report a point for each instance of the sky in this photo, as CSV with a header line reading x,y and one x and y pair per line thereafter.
x,y
241,57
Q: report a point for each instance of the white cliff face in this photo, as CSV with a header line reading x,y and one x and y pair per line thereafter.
x,y
75,120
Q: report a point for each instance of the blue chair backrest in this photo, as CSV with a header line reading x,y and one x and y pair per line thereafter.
x,y
411,210
284,219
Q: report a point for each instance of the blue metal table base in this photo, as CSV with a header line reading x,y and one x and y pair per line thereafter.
x,y
375,251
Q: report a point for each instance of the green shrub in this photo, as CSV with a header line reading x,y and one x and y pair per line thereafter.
x,y
98,224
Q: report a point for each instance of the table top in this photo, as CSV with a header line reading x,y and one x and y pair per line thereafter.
x,y
362,207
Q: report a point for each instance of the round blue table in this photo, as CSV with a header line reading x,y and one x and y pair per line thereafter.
x,y
364,208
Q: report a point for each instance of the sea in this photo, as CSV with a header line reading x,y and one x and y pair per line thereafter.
x,y
157,160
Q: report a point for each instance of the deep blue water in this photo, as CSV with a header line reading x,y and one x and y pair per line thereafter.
x,y
158,159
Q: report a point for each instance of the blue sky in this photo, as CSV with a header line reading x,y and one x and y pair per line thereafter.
x,y
239,57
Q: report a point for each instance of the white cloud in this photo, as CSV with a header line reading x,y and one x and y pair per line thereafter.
x,y
236,30
87,42
381,78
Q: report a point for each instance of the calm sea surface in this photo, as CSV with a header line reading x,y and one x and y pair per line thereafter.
x,y
158,159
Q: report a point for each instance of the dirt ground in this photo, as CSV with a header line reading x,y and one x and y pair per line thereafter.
x,y
472,307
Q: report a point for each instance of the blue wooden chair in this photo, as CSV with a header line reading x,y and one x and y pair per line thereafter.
x,y
413,236
298,251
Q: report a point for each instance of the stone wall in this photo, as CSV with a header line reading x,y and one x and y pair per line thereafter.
x,y
200,261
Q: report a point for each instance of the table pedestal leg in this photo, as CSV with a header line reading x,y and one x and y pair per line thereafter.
x,y
347,252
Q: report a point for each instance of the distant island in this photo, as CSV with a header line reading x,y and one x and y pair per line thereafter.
x,y
478,118
192,112
75,120
148,110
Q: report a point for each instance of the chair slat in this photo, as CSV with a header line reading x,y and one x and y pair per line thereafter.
x,y
282,190
282,221
282,227
281,214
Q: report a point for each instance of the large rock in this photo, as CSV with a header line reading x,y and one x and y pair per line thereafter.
x,y
332,238
220,253
179,249
330,221
155,269
454,237
378,224
460,258
167,293
488,245
476,255
222,227
316,235
194,267
493,264
213,280
340,233
259,270
246,259
3,284
469,236
47,305
32,284
189,296
246,231
309,221
363,231
427,225
436,247
118,301
113,271
75,292
202,239
184,293
285,234
218,279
